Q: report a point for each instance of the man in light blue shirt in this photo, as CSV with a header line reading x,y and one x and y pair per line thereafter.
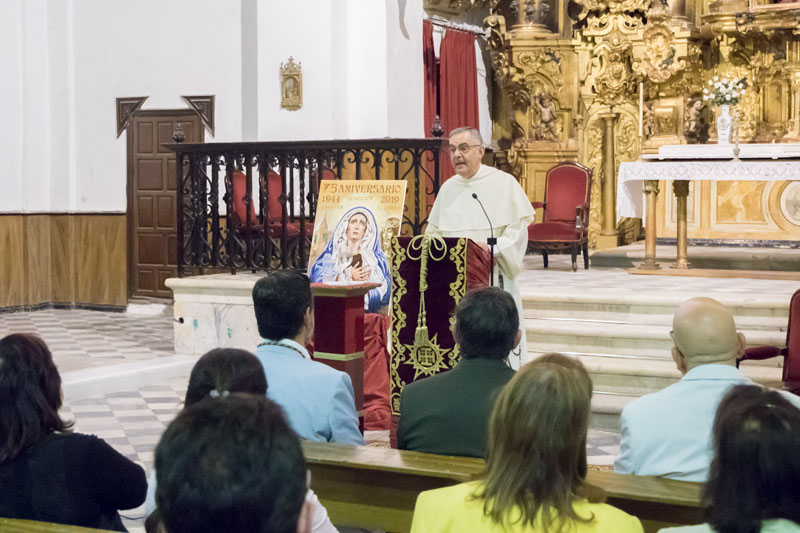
x,y
318,400
668,433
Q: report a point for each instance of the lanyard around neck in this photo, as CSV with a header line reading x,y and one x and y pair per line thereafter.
x,y
288,347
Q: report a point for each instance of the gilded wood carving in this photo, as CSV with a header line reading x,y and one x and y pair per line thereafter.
x,y
552,84
291,85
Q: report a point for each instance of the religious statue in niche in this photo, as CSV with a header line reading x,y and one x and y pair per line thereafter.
x,y
291,85
648,120
547,128
696,130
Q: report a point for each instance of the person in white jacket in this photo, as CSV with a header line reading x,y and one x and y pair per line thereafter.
x,y
458,212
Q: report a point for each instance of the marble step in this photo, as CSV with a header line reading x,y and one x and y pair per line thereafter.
x,y
611,338
650,308
606,409
87,382
624,375
618,380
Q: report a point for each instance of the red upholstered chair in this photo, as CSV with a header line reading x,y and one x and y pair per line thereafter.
x,y
275,213
240,208
565,223
790,352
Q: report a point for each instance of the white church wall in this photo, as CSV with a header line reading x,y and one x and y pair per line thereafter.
x,y
147,48
11,102
301,29
35,176
66,62
362,69
62,172
406,71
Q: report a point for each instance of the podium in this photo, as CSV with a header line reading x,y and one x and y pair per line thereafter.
x,y
430,275
340,344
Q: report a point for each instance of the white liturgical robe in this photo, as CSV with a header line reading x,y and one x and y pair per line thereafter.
x,y
456,213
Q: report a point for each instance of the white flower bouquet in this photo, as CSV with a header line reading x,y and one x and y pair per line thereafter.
x,y
725,91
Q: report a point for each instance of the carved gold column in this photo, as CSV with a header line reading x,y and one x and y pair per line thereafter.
x,y
681,188
651,193
536,103
609,236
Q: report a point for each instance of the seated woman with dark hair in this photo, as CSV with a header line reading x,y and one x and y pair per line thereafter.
x,y
217,374
535,463
752,484
48,473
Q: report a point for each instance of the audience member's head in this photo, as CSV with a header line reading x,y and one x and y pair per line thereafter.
x,y
756,462
283,305
231,464
30,394
487,324
225,370
536,453
703,332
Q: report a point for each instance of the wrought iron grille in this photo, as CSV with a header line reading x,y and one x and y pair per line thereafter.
x,y
257,232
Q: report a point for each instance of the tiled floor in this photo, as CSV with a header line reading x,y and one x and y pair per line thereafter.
x,y
82,339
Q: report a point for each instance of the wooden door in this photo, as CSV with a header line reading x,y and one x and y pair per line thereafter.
x,y
152,215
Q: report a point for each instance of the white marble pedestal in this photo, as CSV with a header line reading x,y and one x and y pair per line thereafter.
x,y
214,311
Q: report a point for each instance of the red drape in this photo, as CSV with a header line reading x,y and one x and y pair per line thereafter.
x,y
431,76
458,86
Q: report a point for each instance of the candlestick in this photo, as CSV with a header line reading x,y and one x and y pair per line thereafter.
x,y
641,109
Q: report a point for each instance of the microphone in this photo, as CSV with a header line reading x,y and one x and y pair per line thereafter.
x,y
491,241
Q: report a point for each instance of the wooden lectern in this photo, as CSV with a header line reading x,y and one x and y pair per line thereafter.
x,y
429,278
340,342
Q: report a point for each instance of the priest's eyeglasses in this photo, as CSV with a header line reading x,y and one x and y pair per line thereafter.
x,y
462,148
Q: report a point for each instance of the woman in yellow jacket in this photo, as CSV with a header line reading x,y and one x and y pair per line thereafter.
x,y
535,463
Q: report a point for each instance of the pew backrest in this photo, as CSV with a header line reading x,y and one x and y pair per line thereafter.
x,y
11,525
376,488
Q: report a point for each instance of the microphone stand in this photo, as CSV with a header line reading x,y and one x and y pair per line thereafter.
x,y
491,241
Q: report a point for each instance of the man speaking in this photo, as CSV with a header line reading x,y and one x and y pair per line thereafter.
x,y
458,212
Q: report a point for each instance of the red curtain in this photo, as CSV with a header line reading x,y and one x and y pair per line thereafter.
x,y
458,87
431,76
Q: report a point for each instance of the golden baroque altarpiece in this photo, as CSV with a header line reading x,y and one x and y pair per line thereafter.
x,y
573,78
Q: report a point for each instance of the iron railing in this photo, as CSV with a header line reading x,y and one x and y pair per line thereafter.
x,y
212,237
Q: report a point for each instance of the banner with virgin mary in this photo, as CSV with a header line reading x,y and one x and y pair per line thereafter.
x,y
355,223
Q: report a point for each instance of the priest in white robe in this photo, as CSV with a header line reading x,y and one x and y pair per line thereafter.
x,y
457,213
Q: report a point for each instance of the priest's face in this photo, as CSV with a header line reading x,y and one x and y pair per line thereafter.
x,y
465,154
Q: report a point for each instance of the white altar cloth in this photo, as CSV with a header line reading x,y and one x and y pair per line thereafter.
x,y
632,175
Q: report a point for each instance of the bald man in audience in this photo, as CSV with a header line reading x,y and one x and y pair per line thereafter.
x,y
668,433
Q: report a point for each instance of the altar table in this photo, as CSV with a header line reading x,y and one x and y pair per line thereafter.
x,y
684,163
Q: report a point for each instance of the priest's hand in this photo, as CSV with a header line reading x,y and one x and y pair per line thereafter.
x,y
361,273
483,245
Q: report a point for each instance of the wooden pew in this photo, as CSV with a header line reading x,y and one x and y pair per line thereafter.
x,y
376,488
9,525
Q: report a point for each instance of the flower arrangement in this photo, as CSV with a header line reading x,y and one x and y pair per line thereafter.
x,y
725,91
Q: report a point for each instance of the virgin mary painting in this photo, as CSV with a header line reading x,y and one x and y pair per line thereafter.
x,y
356,253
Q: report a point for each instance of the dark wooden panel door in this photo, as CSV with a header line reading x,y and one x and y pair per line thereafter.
x,y
152,216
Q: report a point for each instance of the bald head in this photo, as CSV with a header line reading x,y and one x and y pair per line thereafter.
x,y
704,333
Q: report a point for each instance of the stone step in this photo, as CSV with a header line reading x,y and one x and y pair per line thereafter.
x,y
713,257
638,340
623,375
618,380
769,312
606,409
87,382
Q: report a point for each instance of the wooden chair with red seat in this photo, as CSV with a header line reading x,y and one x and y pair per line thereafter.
x,y
565,222
275,214
790,352
256,228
